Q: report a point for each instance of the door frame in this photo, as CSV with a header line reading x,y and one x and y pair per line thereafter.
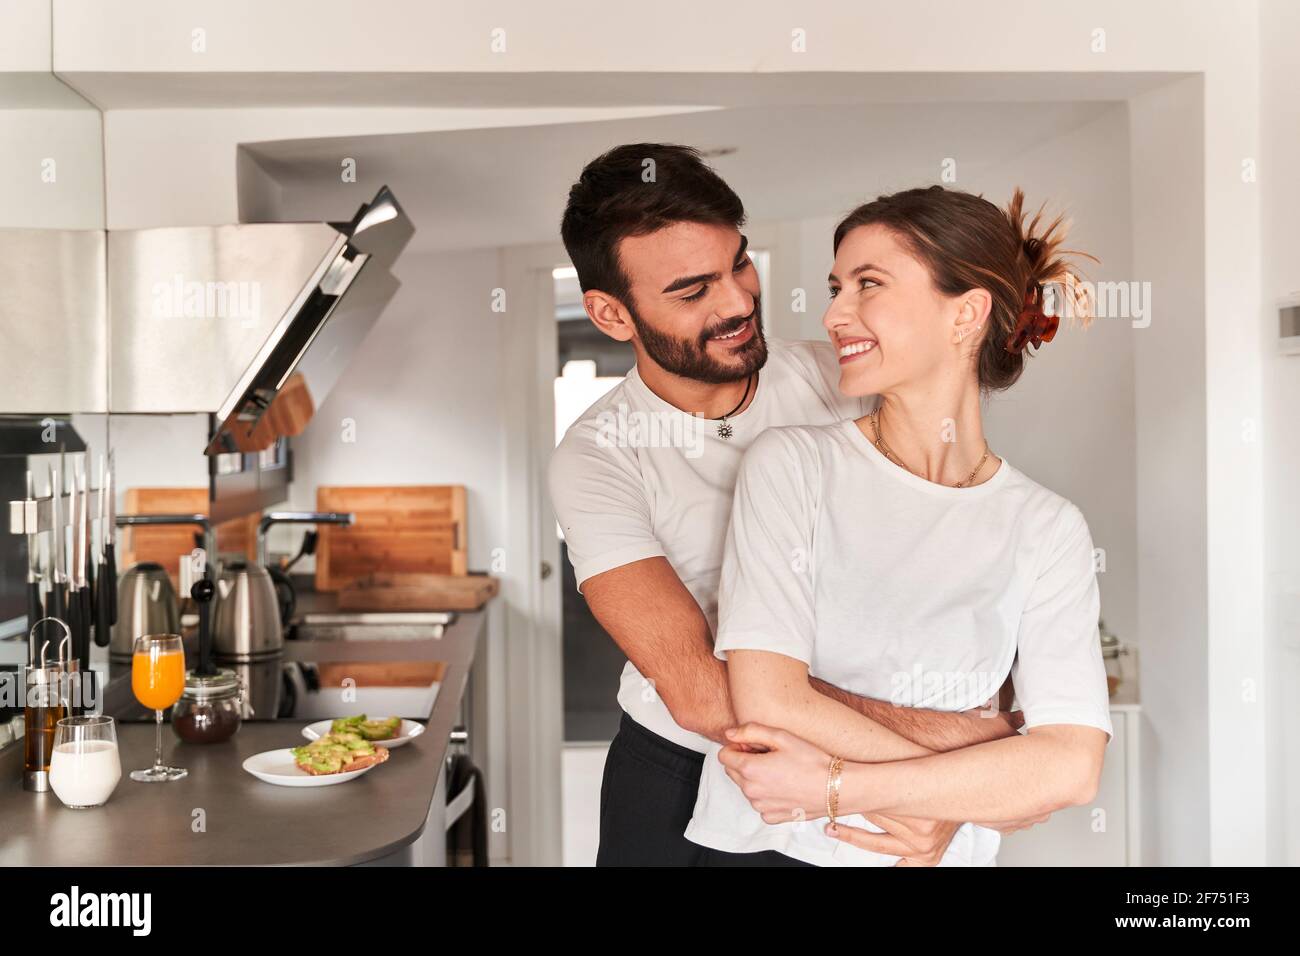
x,y
533,637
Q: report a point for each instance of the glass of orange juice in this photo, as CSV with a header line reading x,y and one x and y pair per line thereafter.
x,y
158,680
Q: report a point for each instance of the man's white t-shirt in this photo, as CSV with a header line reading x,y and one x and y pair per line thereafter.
x,y
637,478
890,586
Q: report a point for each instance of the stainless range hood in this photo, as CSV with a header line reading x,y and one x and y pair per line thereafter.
x,y
250,323
253,323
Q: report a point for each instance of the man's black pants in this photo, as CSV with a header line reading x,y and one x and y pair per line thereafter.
x,y
647,797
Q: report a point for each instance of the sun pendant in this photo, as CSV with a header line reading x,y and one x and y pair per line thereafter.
x,y
724,429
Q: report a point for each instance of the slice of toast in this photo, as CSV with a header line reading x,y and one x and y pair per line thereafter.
x,y
369,760
358,755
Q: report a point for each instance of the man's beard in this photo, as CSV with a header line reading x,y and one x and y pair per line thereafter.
x,y
689,358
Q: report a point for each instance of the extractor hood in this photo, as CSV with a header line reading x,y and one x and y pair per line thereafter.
x,y
251,323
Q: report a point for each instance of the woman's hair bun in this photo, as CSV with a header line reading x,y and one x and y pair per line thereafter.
x,y
1050,275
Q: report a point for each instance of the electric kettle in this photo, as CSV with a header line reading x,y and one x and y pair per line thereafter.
x,y
147,604
246,621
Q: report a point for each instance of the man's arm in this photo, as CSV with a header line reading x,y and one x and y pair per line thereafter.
x,y
937,731
657,623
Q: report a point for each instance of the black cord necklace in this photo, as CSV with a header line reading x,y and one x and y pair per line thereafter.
x,y
725,431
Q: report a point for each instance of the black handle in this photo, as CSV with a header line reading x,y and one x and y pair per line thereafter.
x,y
55,605
73,620
104,608
87,617
108,583
90,588
34,613
202,591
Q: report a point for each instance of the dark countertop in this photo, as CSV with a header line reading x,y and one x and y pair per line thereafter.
x,y
245,821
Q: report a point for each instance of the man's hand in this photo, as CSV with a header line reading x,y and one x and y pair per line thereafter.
x,y
992,724
928,839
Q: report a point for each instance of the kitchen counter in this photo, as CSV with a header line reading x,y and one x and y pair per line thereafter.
x,y
222,815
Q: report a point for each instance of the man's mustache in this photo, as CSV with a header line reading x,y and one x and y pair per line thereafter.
x,y
727,328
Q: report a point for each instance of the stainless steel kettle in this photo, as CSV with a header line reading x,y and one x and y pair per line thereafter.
x,y
246,620
147,604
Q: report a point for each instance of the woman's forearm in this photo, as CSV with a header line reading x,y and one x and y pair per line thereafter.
x,y
1015,778
828,724
773,689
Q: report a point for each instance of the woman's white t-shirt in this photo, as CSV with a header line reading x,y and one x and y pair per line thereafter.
x,y
890,586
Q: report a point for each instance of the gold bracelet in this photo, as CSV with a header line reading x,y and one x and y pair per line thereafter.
x,y
833,788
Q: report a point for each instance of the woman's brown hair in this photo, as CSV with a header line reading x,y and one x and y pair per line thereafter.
x,y
967,243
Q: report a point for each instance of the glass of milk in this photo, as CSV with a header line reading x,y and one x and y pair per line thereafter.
x,y
84,767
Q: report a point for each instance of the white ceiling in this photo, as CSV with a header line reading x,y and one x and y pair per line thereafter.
x,y
487,90
507,186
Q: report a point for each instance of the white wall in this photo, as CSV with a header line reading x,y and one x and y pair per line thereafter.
x,y
51,168
1234,471
51,163
423,395
1171,397
1280,425
341,36
25,36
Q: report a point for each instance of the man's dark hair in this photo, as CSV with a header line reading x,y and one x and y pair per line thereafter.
x,y
634,190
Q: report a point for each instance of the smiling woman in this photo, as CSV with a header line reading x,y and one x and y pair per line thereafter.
x,y
925,585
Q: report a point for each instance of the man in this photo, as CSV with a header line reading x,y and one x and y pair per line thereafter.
x,y
642,484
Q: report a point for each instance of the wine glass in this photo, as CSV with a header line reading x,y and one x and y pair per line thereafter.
x,y
85,768
158,680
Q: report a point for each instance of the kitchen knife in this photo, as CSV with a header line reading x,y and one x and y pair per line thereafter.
x,y
83,559
110,536
89,562
54,603
35,606
33,565
103,604
74,560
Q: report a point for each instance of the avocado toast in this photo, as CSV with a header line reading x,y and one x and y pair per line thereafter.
x,y
338,753
380,729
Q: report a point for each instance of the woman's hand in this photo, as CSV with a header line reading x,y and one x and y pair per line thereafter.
x,y
782,776
784,779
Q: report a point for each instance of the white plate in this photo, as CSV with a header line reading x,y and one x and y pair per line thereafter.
x,y
277,767
409,730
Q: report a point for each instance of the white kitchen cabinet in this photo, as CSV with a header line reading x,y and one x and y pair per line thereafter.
x,y
1105,831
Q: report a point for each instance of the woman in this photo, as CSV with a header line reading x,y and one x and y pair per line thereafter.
x,y
897,557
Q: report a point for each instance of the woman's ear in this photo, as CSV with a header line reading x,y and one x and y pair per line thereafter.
x,y
608,315
972,313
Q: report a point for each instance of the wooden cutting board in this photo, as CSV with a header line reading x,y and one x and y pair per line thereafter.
x,y
418,592
164,544
400,529
381,673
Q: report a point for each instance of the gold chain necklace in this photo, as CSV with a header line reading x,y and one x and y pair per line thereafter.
x,y
889,453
